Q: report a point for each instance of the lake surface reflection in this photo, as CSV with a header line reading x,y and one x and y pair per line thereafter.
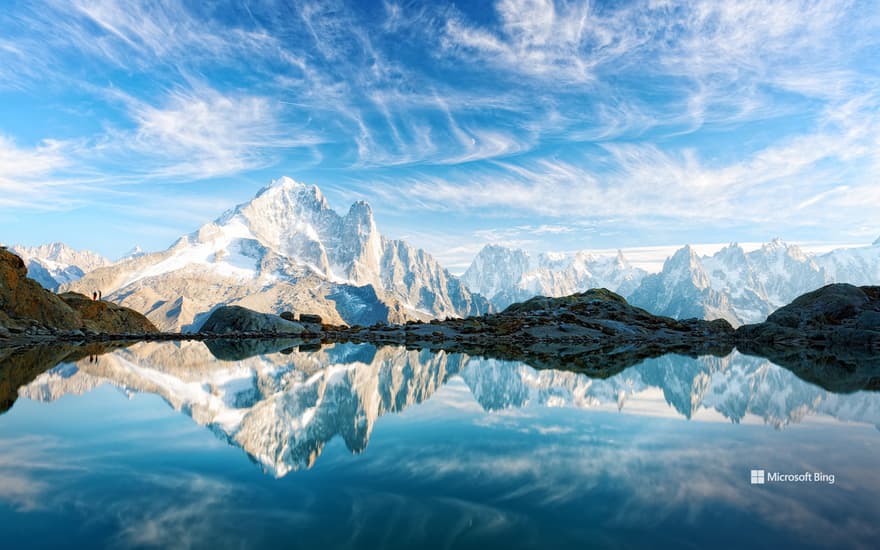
x,y
182,445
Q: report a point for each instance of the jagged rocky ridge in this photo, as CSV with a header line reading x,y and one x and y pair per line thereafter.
x,y
283,405
286,249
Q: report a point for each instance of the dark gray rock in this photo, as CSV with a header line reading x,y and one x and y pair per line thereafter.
x,y
288,316
837,314
236,319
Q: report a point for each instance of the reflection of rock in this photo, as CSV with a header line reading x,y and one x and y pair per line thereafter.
x,y
839,369
18,367
242,348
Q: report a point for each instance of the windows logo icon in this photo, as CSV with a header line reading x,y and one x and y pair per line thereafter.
x,y
757,477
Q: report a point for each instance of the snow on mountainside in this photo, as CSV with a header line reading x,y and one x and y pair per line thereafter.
x,y
745,287
508,275
56,264
286,249
683,290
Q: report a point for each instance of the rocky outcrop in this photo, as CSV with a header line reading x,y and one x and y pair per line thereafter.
x,y
592,319
23,300
834,315
236,319
25,306
107,317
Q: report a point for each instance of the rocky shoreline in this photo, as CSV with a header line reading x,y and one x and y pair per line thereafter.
x,y
834,315
596,331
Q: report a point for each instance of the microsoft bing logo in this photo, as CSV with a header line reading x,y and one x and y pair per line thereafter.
x,y
757,477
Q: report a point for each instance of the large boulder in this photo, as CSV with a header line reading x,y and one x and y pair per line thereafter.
x,y
237,319
839,314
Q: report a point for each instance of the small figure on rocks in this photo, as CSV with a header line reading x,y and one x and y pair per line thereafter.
x,y
94,295
99,295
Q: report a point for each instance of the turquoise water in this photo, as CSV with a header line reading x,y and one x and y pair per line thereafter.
x,y
164,445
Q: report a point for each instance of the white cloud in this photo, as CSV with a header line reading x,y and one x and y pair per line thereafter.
x,y
35,176
641,183
202,133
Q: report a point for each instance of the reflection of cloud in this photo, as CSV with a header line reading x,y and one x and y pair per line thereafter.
x,y
179,511
651,475
23,462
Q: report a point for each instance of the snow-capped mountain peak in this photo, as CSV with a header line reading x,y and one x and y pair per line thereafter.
x,y
287,249
506,275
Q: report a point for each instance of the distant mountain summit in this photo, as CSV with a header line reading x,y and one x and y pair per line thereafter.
x,y
286,249
683,289
56,264
745,287
509,275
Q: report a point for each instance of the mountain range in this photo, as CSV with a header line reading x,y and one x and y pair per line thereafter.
x,y
285,250
732,284
283,408
288,250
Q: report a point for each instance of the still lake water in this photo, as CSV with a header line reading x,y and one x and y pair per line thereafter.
x,y
164,445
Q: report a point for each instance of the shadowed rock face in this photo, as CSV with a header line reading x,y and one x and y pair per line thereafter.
x,y
834,315
236,319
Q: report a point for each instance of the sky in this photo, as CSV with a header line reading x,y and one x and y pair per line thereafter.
x,y
539,124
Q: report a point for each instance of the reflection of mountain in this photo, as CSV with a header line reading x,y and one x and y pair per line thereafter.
x,y
735,386
283,408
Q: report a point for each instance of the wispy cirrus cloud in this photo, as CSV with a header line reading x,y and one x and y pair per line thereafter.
x,y
37,176
657,112
202,133
640,182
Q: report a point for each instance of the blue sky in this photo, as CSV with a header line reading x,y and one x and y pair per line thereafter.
x,y
552,126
